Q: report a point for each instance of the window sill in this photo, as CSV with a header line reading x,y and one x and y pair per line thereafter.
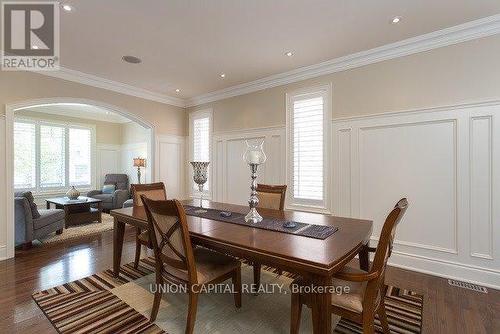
x,y
308,208
58,192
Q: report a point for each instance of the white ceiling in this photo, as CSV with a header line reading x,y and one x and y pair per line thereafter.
x,y
187,44
79,111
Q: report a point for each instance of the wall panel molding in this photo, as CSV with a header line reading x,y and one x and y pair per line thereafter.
x,y
481,178
446,161
171,165
228,149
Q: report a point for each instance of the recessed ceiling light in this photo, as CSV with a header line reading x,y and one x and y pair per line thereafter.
x,y
67,8
131,59
223,75
289,54
34,47
177,90
396,19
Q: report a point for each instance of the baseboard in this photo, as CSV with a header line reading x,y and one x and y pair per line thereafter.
x,y
446,269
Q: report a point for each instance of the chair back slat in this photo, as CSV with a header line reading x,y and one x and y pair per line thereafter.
x,y
271,197
155,191
169,234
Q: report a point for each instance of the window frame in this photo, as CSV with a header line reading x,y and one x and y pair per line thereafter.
x,y
324,206
204,113
38,190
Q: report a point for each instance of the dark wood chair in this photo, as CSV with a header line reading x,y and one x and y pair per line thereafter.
x,y
178,263
154,191
367,289
270,197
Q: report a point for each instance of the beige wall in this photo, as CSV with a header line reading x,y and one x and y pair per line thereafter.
x,y
132,133
22,86
462,73
106,132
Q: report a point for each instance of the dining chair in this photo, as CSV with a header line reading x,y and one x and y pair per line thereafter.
x,y
367,289
153,191
177,262
270,197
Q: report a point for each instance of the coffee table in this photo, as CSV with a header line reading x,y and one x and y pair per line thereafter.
x,y
82,210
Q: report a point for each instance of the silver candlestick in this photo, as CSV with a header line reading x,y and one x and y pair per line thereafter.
x,y
253,216
254,156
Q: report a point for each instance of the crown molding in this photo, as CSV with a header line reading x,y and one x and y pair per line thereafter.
x,y
453,35
115,86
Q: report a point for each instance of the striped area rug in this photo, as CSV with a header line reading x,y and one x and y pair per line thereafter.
x,y
88,306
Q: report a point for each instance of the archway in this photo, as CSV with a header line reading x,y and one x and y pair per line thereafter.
x,y
10,110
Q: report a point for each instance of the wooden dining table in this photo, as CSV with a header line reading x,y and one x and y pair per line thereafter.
x,y
314,259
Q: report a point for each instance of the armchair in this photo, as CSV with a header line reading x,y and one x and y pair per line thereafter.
x,y
118,197
28,226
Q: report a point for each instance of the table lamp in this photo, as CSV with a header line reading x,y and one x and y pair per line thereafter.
x,y
139,162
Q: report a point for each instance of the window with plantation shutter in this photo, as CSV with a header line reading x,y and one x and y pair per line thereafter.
x,y
24,155
201,127
50,156
308,117
200,132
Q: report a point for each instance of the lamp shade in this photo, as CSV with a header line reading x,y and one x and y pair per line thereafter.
x,y
139,162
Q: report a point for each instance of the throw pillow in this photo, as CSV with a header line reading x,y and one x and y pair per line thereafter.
x,y
108,189
31,200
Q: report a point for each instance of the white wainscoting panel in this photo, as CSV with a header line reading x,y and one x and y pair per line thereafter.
x,y
171,165
128,153
481,179
447,163
3,199
108,161
232,175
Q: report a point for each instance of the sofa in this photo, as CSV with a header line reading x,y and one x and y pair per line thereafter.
x,y
115,199
31,223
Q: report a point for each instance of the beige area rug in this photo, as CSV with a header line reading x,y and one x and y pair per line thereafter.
x,y
266,313
81,231
102,303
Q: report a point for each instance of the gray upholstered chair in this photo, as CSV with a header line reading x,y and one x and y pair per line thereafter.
x,y
118,197
31,223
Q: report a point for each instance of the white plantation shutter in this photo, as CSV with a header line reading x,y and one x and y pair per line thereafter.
x,y
308,116
79,157
307,135
52,156
201,143
201,137
24,155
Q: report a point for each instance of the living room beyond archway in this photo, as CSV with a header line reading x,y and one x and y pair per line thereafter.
x,y
72,163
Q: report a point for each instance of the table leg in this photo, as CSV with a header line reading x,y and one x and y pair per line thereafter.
x,y
321,302
99,207
364,258
118,232
66,216
48,205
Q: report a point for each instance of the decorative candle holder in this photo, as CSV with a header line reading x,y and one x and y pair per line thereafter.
x,y
254,156
200,178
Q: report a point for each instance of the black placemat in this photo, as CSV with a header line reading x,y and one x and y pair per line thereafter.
x,y
274,224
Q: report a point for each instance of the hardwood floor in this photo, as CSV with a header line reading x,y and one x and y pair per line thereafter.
x,y
447,309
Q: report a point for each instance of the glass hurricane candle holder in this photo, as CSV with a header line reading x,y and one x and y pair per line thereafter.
x,y
254,156
200,169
